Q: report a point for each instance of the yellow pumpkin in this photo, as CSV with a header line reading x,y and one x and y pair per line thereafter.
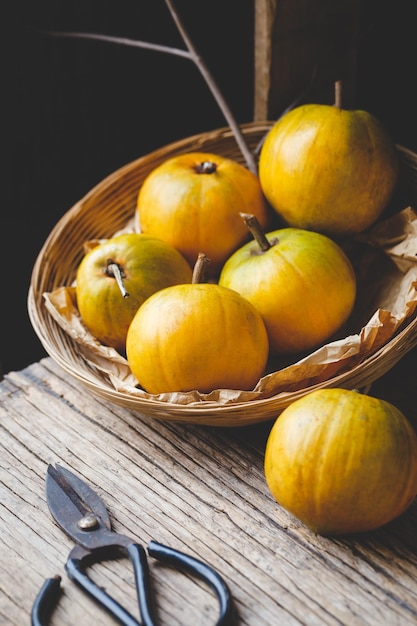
x,y
197,337
302,283
342,462
146,264
192,201
328,169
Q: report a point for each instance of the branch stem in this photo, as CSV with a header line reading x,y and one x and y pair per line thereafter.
x,y
224,107
123,41
190,54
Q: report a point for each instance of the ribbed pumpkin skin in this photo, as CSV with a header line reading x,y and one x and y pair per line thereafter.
x,y
199,212
304,286
199,336
342,462
148,263
328,169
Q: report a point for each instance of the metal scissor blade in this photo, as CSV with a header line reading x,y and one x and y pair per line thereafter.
x,y
70,499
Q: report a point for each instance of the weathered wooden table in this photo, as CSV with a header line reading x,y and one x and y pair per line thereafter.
x,y
198,489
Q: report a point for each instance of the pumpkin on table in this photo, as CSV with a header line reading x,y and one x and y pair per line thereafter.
x,y
342,461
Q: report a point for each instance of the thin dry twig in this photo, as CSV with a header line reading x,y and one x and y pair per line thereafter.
x,y
247,154
123,41
190,54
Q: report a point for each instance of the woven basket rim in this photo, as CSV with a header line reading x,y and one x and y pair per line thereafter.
x,y
233,414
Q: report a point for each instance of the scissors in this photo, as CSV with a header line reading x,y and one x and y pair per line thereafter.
x,y
81,514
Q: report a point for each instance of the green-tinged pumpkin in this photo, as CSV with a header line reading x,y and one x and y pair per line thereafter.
x,y
146,264
303,285
342,462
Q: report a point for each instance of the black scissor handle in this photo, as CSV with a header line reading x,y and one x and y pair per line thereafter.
x,y
198,568
76,569
45,601
76,566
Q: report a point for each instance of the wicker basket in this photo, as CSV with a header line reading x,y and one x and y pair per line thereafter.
x,y
105,210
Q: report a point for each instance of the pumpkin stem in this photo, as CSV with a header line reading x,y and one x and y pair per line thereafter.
x,y
113,269
206,167
255,228
338,94
199,270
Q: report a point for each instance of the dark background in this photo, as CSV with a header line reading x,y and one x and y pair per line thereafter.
x,y
73,111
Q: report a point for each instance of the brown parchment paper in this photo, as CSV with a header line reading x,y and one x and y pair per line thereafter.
x,y
385,262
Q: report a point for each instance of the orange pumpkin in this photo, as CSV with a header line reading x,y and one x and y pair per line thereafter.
x,y
192,201
342,461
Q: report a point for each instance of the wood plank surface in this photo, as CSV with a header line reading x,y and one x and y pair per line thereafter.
x,y
197,489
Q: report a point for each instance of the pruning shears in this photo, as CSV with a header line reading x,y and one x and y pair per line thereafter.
x,y
80,512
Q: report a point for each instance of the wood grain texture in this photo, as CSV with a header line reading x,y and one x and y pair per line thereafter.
x,y
198,489
298,41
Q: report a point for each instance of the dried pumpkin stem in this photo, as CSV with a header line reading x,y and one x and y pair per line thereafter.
x,y
255,228
199,270
113,269
338,94
206,167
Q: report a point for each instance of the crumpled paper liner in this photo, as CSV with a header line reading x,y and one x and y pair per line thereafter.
x,y
385,261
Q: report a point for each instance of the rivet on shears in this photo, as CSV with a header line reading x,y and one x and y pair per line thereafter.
x,y
88,522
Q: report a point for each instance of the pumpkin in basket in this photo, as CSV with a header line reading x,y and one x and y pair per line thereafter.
x,y
198,336
301,282
193,200
117,275
328,169
341,461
